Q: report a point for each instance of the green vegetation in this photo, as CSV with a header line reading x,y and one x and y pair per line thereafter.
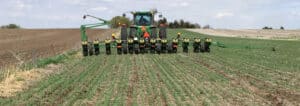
x,y
246,72
183,24
117,21
10,26
270,28
40,63
53,60
267,28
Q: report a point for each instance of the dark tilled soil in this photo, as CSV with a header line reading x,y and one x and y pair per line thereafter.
x,y
21,45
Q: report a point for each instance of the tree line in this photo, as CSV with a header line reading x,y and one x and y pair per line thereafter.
x,y
179,24
119,20
270,28
10,26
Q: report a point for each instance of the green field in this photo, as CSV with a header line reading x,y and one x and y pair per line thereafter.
x,y
245,72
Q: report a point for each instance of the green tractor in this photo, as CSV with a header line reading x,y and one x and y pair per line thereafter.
x,y
141,32
142,37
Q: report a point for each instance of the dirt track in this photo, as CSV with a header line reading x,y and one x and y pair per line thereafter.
x,y
251,33
18,45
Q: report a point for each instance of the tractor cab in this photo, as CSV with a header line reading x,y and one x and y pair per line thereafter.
x,y
143,26
143,18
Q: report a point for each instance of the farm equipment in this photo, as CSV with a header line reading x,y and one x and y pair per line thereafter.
x,y
96,46
142,45
87,47
164,45
158,46
175,45
130,46
142,37
152,45
107,46
206,45
119,46
185,45
197,45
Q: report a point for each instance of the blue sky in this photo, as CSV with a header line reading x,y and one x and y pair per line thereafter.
x,y
233,14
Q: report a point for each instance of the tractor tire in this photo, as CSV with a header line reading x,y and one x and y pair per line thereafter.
x,y
163,32
124,33
85,50
125,48
153,33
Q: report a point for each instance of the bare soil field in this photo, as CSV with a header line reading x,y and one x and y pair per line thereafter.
x,y
252,33
19,45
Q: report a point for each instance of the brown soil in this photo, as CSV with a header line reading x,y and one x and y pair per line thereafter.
x,y
19,45
252,33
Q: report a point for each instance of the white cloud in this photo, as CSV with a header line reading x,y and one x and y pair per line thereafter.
x,y
223,15
295,13
108,0
56,17
76,2
184,4
17,8
98,9
179,4
20,5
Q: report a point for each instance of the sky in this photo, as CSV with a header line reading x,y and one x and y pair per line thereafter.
x,y
225,14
